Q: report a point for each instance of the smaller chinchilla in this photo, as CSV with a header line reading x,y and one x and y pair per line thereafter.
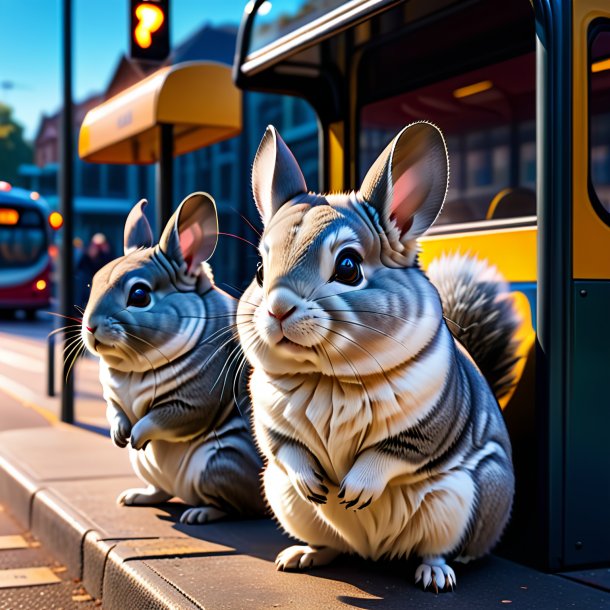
x,y
164,336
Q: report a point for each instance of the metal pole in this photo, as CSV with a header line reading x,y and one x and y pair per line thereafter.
x,y
165,177
51,366
66,195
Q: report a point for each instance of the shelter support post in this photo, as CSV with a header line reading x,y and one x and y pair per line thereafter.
x,y
165,176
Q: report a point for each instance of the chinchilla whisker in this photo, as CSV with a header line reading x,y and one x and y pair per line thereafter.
x,y
240,238
167,332
236,380
70,344
70,329
218,317
247,221
367,327
332,368
340,352
376,313
80,310
60,315
217,439
149,344
227,366
462,329
229,328
218,350
232,366
223,330
152,368
359,347
77,355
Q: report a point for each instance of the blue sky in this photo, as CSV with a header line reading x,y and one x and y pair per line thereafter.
x,y
30,46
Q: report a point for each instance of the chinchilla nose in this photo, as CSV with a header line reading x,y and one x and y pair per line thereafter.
x,y
281,304
91,329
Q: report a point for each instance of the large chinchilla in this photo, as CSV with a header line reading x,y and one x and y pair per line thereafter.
x,y
165,338
381,435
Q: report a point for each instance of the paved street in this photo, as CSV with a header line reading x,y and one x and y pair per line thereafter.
x,y
22,561
23,378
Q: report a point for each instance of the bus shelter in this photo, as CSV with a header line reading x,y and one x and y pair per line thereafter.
x,y
175,110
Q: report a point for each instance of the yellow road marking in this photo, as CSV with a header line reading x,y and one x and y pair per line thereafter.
x,y
12,542
27,577
17,392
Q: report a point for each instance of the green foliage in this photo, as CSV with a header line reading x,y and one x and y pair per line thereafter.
x,y
14,150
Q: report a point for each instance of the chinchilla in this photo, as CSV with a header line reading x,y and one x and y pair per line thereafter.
x,y
381,435
164,335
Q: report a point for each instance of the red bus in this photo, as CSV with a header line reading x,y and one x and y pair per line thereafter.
x,y
25,261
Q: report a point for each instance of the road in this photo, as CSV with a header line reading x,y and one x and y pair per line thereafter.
x,y
23,378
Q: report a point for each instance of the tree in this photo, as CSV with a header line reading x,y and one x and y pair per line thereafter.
x,y
14,150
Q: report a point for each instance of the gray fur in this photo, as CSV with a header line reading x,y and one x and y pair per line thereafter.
x,y
481,315
169,369
363,399
276,176
138,233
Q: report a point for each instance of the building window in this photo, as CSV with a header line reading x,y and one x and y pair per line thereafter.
x,y
117,180
91,183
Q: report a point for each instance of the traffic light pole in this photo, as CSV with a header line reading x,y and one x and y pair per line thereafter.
x,y
165,176
66,194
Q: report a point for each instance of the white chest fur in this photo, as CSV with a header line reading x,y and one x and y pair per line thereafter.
x,y
132,392
338,419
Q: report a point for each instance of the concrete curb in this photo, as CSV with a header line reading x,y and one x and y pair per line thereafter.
x,y
106,568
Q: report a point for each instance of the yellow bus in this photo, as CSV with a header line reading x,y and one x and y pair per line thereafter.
x,y
521,90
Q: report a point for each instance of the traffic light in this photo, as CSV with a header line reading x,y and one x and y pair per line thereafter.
x,y
149,29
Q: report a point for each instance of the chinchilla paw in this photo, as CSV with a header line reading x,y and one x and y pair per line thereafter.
x,y
120,431
359,489
310,486
142,496
435,573
201,514
139,436
304,557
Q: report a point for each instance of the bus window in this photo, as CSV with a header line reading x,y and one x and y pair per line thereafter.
x,y
599,118
24,242
488,118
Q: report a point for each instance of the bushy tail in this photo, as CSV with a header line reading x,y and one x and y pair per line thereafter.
x,y
481,314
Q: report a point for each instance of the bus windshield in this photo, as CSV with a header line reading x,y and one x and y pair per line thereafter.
x,y
23,238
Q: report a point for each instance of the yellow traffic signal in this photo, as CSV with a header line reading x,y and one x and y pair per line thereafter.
x,y
149,39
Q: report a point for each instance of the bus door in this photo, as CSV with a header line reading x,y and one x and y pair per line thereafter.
x,y
587,418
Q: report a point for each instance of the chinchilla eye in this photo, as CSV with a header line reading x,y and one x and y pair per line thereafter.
x,y
139,296
259,273
347,268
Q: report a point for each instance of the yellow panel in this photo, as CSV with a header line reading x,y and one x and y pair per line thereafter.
x,y
512,251
198,98
591,236
336,156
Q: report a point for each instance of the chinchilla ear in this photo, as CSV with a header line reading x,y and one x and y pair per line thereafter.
x,y
276,175
408,182
138,233
192,232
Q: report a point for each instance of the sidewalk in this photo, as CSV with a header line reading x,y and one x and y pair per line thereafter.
x,y
61,483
